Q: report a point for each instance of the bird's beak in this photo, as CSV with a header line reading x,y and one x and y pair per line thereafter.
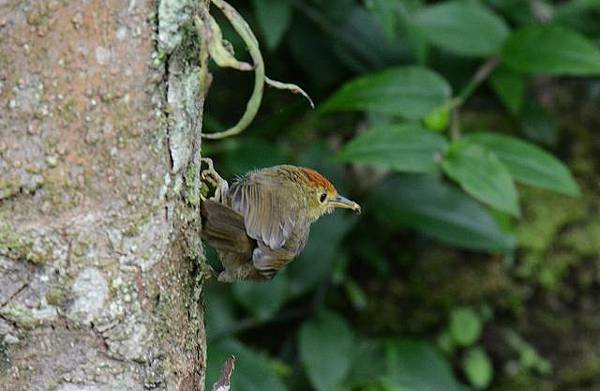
x,y
342,202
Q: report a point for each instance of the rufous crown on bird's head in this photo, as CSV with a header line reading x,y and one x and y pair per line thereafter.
x,y
315,179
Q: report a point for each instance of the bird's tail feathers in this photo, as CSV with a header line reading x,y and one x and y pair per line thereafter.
x,y
223,228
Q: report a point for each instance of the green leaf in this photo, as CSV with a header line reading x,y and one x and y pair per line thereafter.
x,y
528,163
478,368
260,299
407,148
551,50
510,88
312,54
411,92
465,326
427,204
365,45
580,15
274,17
538,125
518,12
325,345
481,174
253,372
416,365
464,28
412,34
368,361
386,14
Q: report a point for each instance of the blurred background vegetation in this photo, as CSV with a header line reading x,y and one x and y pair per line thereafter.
x,y
468,132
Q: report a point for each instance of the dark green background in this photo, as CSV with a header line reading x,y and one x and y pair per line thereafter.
x,y
449,279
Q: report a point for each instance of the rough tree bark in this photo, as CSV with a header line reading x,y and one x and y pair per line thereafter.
x,y
100,281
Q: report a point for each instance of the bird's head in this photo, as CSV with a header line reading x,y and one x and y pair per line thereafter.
x,y
322,196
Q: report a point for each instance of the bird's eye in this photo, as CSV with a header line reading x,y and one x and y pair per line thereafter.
x,y
323,197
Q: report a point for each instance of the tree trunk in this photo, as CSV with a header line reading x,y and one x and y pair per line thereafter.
x,y
100,261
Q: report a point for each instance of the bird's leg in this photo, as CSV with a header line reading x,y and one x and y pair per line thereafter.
x,y
226,276
245,272
208,272
211,176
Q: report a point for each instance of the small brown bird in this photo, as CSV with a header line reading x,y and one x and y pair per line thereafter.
x,y
261,223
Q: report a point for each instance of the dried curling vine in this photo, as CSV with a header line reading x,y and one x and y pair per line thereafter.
x,y
222,54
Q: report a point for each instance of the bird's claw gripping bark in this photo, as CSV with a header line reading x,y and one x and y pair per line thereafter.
x,y
212,177
208,272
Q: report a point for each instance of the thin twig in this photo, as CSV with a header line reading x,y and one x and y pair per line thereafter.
x,y
224,382
455,124
481,75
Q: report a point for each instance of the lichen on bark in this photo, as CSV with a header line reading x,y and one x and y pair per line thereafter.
x,y
99,252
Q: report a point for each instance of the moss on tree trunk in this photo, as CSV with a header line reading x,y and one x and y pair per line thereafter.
x,y
99,255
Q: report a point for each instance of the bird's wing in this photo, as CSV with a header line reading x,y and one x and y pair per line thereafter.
x,y
269,214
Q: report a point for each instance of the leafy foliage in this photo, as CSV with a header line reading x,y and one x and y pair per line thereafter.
x,y
465,326
463,27
261,300
408,148
436,209
325,345
410,92
428,115
481,174
415,365
274,18
510,87
528,163
551,50
478,368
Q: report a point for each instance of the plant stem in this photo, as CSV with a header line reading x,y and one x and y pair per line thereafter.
x,y
483,72
455,124
481,75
